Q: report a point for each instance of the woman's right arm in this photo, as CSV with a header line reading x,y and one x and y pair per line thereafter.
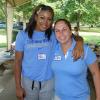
x,y
20,93
95,71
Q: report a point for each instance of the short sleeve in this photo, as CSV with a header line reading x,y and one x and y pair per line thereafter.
x,y
90,56
19,46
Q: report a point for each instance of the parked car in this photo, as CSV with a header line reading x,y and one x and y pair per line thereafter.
x,y
18,25
2,25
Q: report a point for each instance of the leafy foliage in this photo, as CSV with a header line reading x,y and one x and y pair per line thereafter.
x,y
2,10
77,11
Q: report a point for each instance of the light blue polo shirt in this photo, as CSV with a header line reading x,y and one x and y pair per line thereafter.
x,y
36,63
71,76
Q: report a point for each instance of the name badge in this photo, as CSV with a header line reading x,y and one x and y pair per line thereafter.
x,y
57,58
41,56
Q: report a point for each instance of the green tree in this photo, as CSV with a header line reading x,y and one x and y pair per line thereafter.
x,y
2,10
80,11
73,10
77,11
93,13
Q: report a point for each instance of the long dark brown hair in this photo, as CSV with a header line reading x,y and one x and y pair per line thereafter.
x,y
32,22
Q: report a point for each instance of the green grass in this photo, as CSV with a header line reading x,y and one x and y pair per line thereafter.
x,y
92,39
3,45
2,32
87,39
87,29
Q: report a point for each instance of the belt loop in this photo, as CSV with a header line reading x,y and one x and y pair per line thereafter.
x,y
40,85
32,84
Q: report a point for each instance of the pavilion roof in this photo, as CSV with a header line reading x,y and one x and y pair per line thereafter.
x,y
15,3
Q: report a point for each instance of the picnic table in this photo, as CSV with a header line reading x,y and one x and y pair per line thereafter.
x,y
5,56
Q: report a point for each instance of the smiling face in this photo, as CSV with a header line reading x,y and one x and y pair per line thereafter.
x,y
63,32
43,20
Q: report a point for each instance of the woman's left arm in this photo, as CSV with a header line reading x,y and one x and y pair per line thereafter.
x,y
95,71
